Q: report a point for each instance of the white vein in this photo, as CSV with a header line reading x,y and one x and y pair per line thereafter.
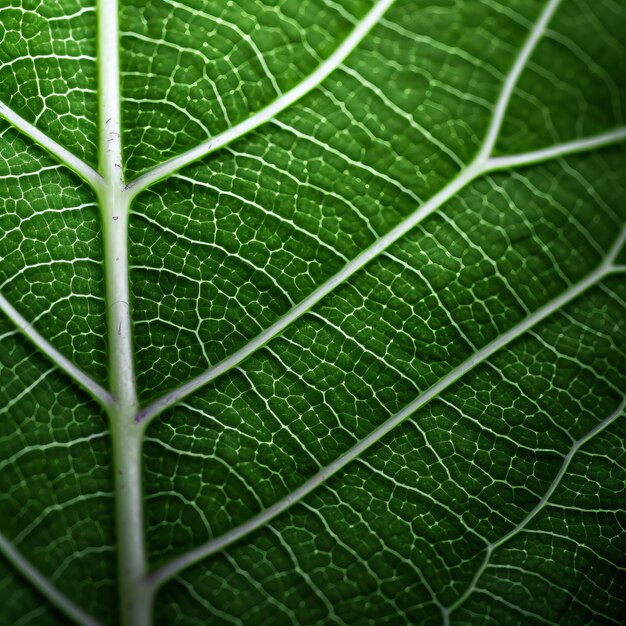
x,y
483,163
44,586
98,392
271,110
479,166
50,145
109,97
512,78
303,306
520,526
217,544
560,150
467,175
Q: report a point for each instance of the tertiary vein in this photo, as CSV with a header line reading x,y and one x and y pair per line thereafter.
x,y
482,164
110,140
110,153
541,504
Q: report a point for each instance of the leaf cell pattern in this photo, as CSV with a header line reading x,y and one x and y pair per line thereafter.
x,y
312,312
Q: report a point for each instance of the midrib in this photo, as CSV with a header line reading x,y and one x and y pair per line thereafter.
x,y
135,602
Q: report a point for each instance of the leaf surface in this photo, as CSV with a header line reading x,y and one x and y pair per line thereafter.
x,y
312,312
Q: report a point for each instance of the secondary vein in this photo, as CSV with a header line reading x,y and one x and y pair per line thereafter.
x,y
99,393
159,576
271,110
478,167
561,150
62,154
159,405
44,586
598,428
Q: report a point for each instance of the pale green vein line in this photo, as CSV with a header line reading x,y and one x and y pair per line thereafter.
x,y
195,555
159,405
598,428
475,169
195,13
263,115
556,152
98,392
109,95
512,78
135,607
44,586
563,469
113,206
470,173
50,145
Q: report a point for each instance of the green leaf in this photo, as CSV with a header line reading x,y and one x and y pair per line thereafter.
x,y
312,312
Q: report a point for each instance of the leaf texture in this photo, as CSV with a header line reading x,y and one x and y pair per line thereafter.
x,y
312,312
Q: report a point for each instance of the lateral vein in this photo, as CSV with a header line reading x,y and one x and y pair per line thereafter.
x,y
43,585
470,173
86,172
478,167
265,114
576,146
598,428
159,405
98,392
502,104
183,561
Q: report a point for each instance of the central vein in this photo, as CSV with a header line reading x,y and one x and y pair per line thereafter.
x,y
126,436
